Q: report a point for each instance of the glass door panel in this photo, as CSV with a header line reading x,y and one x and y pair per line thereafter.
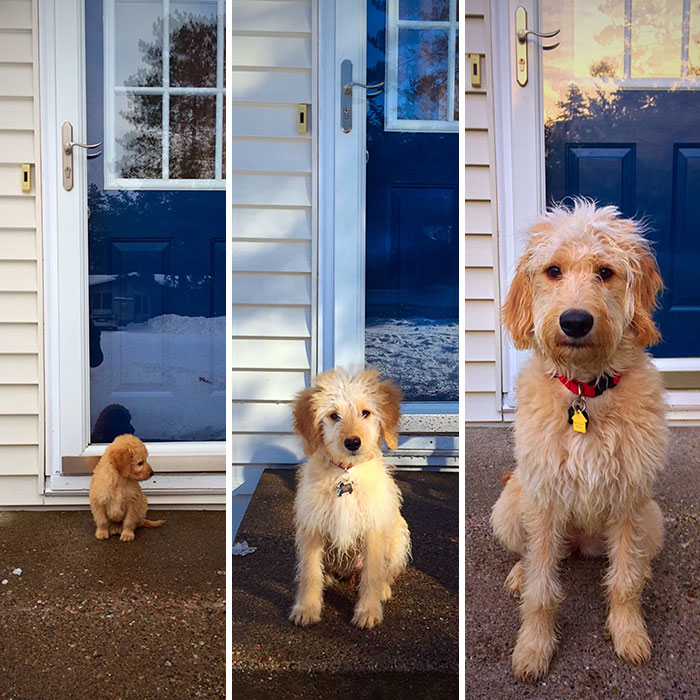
x,y
411,312
156,219
621,99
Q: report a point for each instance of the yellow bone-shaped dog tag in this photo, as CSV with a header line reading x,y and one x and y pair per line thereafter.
x,y
579,422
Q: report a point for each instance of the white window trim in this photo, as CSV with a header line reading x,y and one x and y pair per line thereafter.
x,y
392,122
520,179
341,265
111,181
65,268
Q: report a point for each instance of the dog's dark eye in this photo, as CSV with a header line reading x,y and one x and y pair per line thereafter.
x,y
553,272
335,416
140,463
605,273
365,413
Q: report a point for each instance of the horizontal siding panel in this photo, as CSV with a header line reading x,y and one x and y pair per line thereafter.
x,y
271,190
279,289
14,46
476,147
18,275
271,223
270,16
475,35
262,418
18,306
477,183
271,86
18,399
287,322
480,376
270,449
19,338
271,154
476,111
17,212
16,147
19,369
479,315
10,175
16,114
475,7
480,346
17,244
262,353
270,120
19,430
479,283
481,408
478,251
271,256
16,79
271,51
18,460
477,218
267,386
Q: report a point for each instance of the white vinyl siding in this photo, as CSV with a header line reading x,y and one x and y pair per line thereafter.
x,y
482,317
273,256
21,328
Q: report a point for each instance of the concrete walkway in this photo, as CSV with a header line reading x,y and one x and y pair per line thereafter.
x,y
585,665
412,654
90,619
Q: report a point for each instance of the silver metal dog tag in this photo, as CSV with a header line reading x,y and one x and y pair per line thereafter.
x,y
344,487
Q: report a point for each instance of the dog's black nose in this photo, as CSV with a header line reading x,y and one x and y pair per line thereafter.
x,y
576,323
352,443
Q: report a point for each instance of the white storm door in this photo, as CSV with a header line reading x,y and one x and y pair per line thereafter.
x,y
135,244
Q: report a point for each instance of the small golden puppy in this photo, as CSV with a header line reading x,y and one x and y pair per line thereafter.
x,y
117,502
348,507
590,433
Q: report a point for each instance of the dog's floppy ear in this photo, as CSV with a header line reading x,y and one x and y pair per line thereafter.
x,y
121,458
389,409
305,422
517,311
646,286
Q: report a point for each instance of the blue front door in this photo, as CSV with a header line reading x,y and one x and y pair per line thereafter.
x,y
156,220
412,238
621,98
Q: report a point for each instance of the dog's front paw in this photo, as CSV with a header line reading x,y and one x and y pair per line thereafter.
x,y
386,593
630,639
305,614
367,615
531,658
102,533
127,535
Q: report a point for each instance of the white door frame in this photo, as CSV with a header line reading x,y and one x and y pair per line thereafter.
x,y
341,203
520,174
61,30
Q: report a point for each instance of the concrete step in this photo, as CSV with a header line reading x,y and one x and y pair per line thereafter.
x,y
413,653
585,665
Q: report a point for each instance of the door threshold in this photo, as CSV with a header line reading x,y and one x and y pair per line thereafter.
x,y
194,484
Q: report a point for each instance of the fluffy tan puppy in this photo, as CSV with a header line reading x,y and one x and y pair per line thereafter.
x,y
582,299
117,502
347,504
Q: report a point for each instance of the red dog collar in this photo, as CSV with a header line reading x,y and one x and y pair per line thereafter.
x,y
590,389
344,467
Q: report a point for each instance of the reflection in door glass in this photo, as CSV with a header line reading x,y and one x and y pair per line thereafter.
x,y
156,223
621,99
411,331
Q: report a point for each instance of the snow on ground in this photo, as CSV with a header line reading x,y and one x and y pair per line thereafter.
x,y
420,354
170,373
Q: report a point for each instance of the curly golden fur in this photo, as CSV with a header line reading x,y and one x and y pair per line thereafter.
x,y
591,491
117,502
362,530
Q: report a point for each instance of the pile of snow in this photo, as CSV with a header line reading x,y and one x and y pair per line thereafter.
x,y
172,323
420,354
240,549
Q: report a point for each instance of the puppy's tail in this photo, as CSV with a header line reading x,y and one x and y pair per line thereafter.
x,y
152,523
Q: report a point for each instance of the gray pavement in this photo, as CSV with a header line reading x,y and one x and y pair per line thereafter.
x,y
93,619
412,654
585,665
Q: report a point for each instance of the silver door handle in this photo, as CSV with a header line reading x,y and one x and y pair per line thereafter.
x,y
67,146
346,86
521,34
